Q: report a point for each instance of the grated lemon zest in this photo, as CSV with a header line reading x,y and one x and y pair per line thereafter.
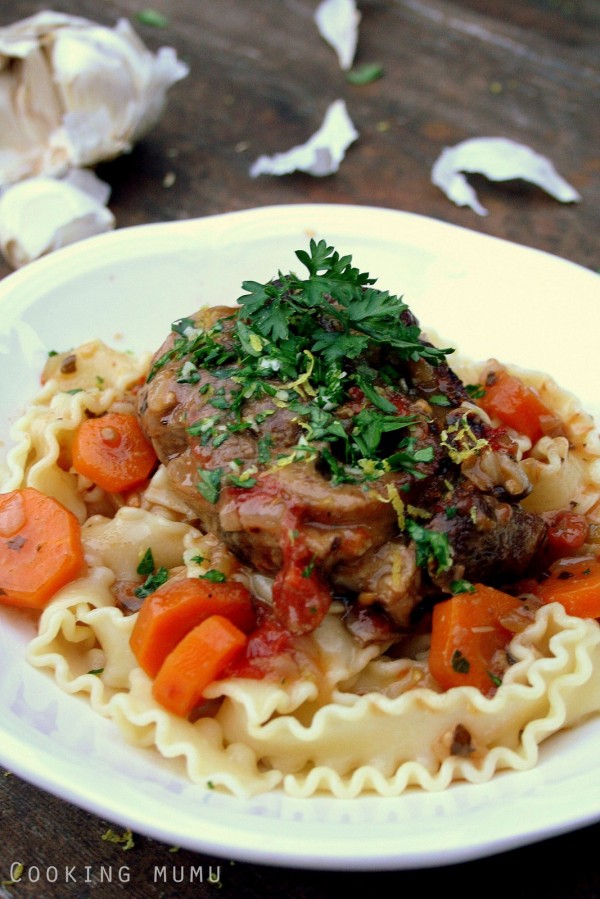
x,y
397,504
417,512
462,432
397,566
256,343
302,381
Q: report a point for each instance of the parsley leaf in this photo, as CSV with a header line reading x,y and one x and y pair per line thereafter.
x,y
433,547
475,391
370,426
209,484
335,346
214,576
461,586
152,17
365,74
152,583
154,578
308,569
146,565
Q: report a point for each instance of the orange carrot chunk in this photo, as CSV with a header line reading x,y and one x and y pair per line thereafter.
x,y
197,660
467,639
516,405
40,548
169,613
113,452
575,584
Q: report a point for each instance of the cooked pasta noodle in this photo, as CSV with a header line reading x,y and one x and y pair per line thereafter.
x,y
354,719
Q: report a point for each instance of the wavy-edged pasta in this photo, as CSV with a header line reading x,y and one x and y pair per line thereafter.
x,y
564,470
350,718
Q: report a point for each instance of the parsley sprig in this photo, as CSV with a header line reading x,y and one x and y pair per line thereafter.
x,y
334,312
305,343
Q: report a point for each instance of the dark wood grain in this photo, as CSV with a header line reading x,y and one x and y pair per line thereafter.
x,y
260,82
55,840
261,79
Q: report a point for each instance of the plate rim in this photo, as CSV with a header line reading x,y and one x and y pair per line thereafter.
x,y
35,273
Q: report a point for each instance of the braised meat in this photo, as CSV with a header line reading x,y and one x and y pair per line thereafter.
x,y
330,446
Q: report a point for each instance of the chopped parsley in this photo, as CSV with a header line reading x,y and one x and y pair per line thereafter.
x,y
365,74
155,578
152,18
152,583
146,565
461,586
214,576
299,343
497,681
241,481
300,310
475,391
308,569
209,484
433,547
264,449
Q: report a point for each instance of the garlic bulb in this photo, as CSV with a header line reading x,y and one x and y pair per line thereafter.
x,y
73,93
42,214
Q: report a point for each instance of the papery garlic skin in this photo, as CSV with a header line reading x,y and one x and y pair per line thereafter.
x,y
322,153
43,214
338,21
73,93
499,159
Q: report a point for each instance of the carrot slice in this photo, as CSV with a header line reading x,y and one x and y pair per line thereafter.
x,y
575,584
40,548
467,637
515,404
197,660
113,452
169,613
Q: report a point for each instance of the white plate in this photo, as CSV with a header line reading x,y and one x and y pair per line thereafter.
x,y
490,297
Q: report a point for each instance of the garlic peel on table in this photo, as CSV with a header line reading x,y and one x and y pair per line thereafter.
x,y
499,159
338,22
322,153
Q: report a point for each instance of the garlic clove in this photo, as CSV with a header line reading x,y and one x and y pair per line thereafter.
x,y
73,93
42,214
29,113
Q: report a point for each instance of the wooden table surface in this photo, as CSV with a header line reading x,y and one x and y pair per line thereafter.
x,y
260,81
